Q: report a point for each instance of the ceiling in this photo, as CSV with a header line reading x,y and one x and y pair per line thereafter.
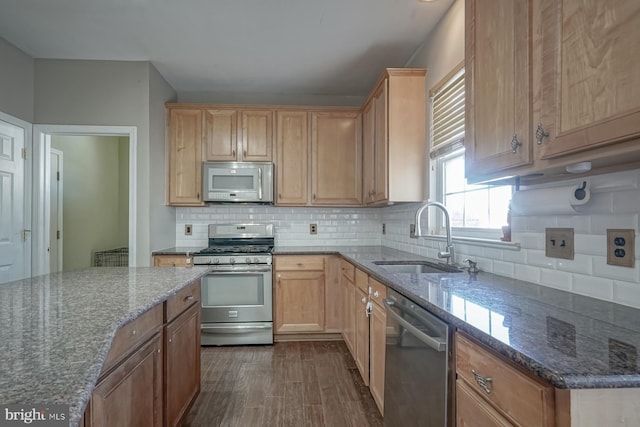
x,y
321,47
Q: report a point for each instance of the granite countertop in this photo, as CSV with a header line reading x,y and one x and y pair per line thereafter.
x,y
56,330
570,340
179,250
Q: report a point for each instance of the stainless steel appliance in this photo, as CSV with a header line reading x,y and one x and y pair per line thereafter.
x,y
417,380
248,182
236,292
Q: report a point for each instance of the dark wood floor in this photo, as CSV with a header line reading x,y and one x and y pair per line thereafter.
x,y
287,384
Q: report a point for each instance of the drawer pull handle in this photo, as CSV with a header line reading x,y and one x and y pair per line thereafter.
x,y
188,298
483,382
376,294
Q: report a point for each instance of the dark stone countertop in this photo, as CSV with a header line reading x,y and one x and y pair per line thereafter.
x,y
570,340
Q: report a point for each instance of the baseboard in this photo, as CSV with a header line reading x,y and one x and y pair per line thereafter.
x,y
320,336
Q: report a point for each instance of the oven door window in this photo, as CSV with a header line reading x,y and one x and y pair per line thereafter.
x,y
225,290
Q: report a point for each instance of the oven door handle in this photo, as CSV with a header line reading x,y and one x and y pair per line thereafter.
x,y
214,270
239,329
259,183
436,343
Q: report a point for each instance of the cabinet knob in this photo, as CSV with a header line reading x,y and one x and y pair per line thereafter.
x,y
244,154
188,298
364,300
515,143
233,153
133,332
314,197
540,134
198,196
169,339
376,294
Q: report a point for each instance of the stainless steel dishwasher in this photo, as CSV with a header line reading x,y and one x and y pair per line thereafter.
x,y
417,380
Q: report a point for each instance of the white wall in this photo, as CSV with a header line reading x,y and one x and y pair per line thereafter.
x,y
92,214
16,82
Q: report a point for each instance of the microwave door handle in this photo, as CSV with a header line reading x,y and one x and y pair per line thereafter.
x,y
260,183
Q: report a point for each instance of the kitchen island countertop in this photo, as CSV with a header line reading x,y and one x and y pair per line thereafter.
x,y
56,329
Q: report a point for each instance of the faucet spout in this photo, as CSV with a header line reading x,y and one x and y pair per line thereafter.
x,y
447,254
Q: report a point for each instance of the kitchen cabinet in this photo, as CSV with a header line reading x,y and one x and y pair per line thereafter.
x,y
299,293
497,86
182,353
347,282
185,157
220,135
336,158
589,79
394,138
362,325
377,342
292,148
172,261
238,135
494,390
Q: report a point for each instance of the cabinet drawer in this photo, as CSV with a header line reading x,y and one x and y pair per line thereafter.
x,y
473,411
362,281
170,261
129,336
348,270
378,291
526,400
299,263
182,300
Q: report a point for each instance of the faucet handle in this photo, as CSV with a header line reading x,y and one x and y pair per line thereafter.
x,y
473,266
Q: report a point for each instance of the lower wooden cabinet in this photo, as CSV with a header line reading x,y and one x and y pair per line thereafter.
x,y
473,411
347,283
377,342
299,294
497,386
131,394
182,364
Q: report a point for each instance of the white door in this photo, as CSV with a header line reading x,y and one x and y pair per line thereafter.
x,y
15,260
55,223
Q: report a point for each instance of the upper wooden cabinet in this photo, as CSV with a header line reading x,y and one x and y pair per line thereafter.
x,y
292,137
394,138
557,75
185,157
497,86
336,158
590,74
238,135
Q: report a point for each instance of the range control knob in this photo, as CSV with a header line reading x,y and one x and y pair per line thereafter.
x,y
256,260
247,260
232,260
216,260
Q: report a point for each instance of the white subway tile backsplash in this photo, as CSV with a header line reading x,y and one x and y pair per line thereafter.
x,y
596,287
602,269
600,223
538,259
626,293
580,264
556,279
502,268
527,272
590,244
580,224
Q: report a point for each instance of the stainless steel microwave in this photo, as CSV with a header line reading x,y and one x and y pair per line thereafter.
x,y
248,182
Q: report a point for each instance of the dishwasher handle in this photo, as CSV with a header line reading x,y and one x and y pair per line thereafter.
x,y
436,343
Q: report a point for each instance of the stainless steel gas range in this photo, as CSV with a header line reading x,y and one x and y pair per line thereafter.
x,y
236,292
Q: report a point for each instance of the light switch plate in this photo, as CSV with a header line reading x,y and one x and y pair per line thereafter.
x,y
558,243
621,247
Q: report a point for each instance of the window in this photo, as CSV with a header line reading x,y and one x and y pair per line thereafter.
x,y
470,206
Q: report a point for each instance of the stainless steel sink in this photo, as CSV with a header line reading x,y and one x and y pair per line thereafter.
x,y
416,267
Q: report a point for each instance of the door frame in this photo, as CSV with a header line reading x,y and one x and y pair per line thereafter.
x,y
41,184
28,173
60,213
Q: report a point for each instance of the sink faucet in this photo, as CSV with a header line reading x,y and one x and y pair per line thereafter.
x,y
447,254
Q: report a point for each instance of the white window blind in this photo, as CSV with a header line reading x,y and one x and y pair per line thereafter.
x,y
448,116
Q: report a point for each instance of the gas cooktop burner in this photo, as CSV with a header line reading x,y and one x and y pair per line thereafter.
x,y
265,249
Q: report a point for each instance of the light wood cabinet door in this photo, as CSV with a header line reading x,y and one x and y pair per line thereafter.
x,y
473,411
299,297
349,306
292,148
182,352
336,158
378,339
257,135
368,152
132,393
589,75
220,135
185,157
498,132
362,334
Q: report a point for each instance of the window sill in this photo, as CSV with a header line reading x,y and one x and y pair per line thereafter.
x,y
476,241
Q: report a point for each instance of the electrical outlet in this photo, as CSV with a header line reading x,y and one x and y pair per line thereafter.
x,y
188,229
559,243
621,247
313,228
412,231
384,228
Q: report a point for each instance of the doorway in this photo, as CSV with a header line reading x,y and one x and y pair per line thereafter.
x,y
80,212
